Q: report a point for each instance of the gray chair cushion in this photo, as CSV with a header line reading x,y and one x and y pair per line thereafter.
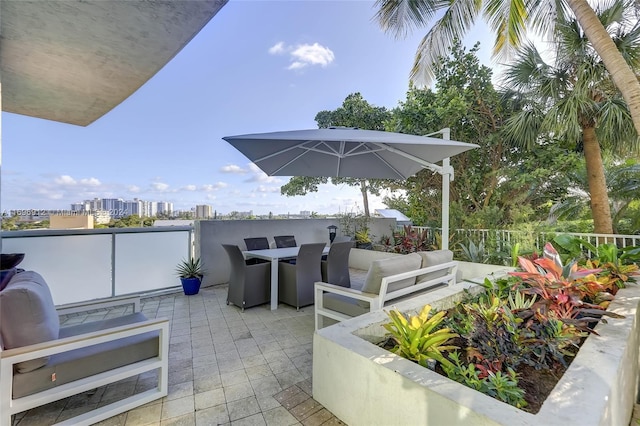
x,y
27,315
344,304
85,362
432,258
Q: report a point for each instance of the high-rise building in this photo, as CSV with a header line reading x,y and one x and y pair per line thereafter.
x,y
133,207
115,207
204,211
165,208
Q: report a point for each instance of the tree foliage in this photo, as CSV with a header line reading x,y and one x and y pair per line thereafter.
x,y
493,183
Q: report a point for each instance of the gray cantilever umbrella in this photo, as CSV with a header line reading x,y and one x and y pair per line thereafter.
x,y
347,152
344,152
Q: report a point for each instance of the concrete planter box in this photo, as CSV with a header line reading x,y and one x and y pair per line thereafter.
x,y
363,384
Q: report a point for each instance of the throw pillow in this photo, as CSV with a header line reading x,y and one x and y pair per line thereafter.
x,y
432,258
390,266
27,315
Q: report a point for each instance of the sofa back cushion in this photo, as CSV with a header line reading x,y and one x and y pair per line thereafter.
x,y
432,258
27,315
387,267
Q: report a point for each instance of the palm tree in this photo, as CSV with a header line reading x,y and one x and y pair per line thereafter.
x,y
575,100
509,20
623,186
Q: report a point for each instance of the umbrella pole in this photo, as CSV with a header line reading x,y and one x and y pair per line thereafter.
x,y
447,176
445,203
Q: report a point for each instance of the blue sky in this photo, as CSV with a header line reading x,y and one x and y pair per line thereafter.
x,y
257,66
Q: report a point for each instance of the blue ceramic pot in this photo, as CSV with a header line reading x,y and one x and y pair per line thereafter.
x,y
190,285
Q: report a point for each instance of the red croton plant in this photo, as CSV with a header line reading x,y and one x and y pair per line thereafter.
x,y
575,295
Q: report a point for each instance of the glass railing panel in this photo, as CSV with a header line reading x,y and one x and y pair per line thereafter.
x,y
76,267
147,261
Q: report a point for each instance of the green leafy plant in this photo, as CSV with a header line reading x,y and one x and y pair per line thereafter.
x,y
190,268
497,385
418,338
474,253
362,236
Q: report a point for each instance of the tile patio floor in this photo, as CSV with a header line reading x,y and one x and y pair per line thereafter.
x,y
226,367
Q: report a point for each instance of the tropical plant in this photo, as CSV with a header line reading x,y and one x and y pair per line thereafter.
x,y
533,318
418,337
497,385
509,20
408,240
566,293
190,268
474,253
362,236
623,188
575,100
618,266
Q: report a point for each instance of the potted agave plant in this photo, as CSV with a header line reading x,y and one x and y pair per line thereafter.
x,y
190,273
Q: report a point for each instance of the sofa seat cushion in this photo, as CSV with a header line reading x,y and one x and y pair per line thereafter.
x,y
344,304
84,362
27,315
433,258
382,268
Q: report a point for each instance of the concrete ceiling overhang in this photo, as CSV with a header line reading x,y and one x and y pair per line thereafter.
x,y
73,61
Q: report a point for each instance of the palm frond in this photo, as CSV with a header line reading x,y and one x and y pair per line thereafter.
x,y
456,21
507,19
526,70
544,14
523,128
399,17
615,129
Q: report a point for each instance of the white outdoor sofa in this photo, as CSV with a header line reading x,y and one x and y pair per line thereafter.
x,y
389,278
47,363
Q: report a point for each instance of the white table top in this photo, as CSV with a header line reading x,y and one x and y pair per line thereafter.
x,y
277,253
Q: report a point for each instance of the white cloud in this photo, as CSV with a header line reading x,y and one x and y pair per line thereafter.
x,y
214,187
65,180
311,54
304,55
277,48
233,168
259,176
133,188
190,188
90,182
267,189
159,186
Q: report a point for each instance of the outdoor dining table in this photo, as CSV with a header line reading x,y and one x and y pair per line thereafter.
x,y
274,255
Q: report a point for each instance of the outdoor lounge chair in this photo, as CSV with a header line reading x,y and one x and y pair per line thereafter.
x,y
249,285
295,281
335,270
41,362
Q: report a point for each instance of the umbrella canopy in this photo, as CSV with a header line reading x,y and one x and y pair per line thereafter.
x,y
345,152
348,152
